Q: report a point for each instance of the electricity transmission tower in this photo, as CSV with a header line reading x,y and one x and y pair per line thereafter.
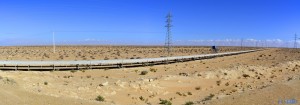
x,y
168,42
295,43
242,41
256,44
53,42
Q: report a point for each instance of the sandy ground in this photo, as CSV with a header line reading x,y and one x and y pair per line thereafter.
x,y
258,78
100,52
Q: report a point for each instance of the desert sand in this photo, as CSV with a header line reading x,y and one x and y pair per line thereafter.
x,y
261,78
41,53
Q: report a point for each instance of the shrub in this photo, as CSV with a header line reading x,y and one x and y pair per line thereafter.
x,y
289,78
165,102
73,71
144,73
99,98
153,69
189,93
245,75
183,74
142,98
45,83
198,88
179,93
227,84
189,103
208,97
136,71
82,71
89,76
218,83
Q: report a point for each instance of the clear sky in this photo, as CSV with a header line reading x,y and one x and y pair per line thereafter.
x,y
143,21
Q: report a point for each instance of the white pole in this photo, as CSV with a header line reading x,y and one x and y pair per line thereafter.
x,y
53,41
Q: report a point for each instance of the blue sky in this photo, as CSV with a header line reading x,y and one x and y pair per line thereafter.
x,y
142,21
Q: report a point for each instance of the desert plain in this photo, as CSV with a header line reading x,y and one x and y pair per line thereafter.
x,y
266,77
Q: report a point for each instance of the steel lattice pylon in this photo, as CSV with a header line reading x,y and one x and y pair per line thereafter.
x,y
168,42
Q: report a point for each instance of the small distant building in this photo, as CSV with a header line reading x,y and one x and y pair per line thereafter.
x,y
214,49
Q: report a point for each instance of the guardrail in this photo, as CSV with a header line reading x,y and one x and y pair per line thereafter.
x,y
104,64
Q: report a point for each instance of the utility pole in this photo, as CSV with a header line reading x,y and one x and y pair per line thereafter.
x,y
53,42
168,42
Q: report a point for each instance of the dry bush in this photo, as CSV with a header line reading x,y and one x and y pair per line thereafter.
x,y
165,102
189,103
198,88
208,97
153,69
144,73
45,83
88,76
100,98
218,82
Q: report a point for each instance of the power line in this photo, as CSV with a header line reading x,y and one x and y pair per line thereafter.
x,y
116,31
168,42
